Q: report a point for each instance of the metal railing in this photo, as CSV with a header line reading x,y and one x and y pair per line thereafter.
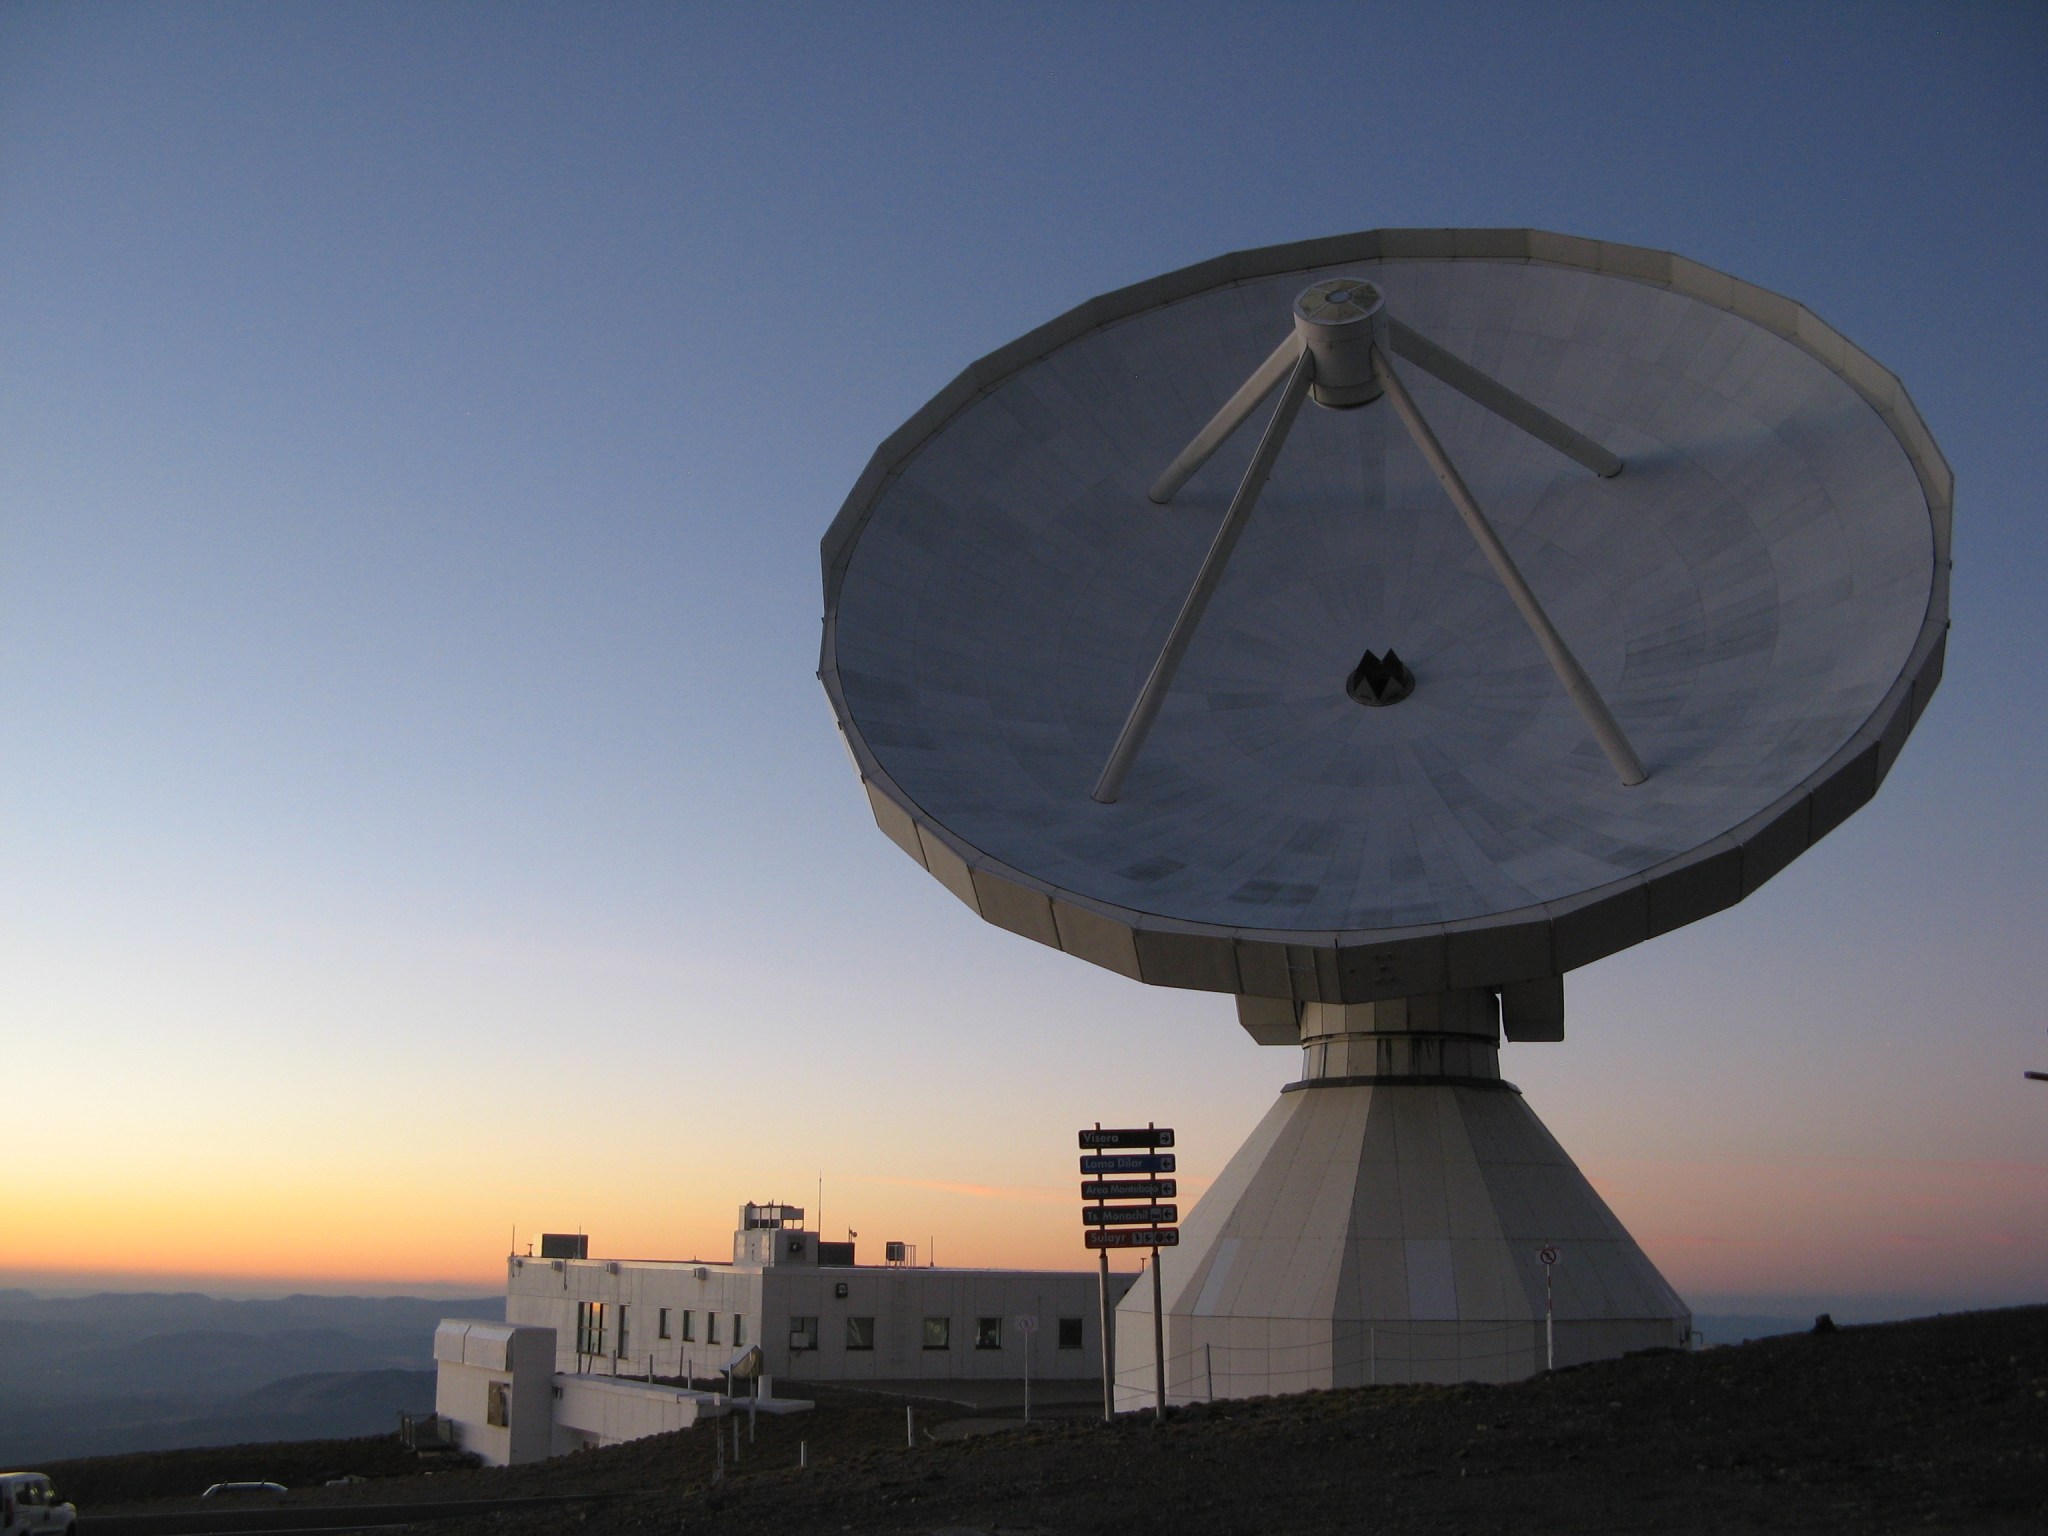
x,y
1348,1355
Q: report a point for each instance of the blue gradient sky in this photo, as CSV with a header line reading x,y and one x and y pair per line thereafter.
x,y
418,817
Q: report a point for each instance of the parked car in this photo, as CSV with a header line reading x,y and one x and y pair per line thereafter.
x,y
244,1490
29,1506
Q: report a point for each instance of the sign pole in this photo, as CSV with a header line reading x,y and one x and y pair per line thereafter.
x,y
1108,1344
1158,1347
1107,1339
1027,1328
1548,1254
1158,1339
1549,1325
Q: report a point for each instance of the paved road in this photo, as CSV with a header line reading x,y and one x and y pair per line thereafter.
x,y
264,1519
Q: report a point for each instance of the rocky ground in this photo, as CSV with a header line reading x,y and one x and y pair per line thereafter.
x,y
1939,1424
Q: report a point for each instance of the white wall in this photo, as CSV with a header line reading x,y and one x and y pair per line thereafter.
x,y
593,1410
539,1292
901,1299
546,1292
470,1357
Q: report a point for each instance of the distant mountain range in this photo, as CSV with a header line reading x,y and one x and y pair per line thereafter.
x,y
100,1375
1741,1327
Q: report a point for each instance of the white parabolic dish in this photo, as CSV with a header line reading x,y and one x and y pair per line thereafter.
x,y
1761,596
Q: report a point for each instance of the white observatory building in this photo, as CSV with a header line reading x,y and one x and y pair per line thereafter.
x,y
597,1352
1373,630
814,1313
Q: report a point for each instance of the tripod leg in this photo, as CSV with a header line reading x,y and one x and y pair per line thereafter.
x,y
1577,686
1499,399
1226,421
1139,723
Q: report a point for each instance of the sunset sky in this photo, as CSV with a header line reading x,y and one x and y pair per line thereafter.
x,y
420,825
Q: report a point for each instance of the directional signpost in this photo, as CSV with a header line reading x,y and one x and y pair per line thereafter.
x,y
1142,1223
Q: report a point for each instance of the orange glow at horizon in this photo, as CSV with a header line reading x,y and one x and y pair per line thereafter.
x,y
1849,1227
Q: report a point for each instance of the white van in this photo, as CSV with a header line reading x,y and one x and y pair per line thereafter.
x,y
29,1507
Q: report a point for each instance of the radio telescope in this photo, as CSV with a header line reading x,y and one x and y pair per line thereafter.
x,y
1594,589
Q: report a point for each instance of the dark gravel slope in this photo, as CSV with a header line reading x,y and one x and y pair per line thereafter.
x,y
1939,1424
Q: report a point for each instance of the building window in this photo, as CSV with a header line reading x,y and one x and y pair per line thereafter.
x,y
860,1333
497,1410
710,1327
661,1323
589,1327
689,1326
739,1330
988,1333
1070,1333
620,1349
938,1333
803,1333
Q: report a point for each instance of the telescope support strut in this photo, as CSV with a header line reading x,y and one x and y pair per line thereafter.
x,y
1484,389
1577,686
1479,387
1460,375
1264,380
1139,723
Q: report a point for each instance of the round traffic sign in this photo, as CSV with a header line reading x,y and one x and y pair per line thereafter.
x,y
1548,1254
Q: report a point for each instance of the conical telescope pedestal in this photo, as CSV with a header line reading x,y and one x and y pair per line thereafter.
x,y
1386,1222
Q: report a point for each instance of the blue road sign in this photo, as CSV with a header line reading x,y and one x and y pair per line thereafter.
x,y
1135,1237
1128,1162
1144,1136
1127,1215
1129,1189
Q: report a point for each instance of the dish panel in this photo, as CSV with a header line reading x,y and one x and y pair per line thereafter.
x,y
1747,594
